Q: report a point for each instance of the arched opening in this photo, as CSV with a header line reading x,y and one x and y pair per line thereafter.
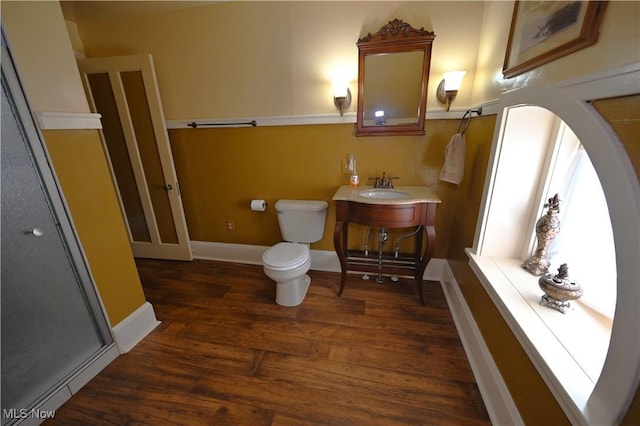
x,y
605,402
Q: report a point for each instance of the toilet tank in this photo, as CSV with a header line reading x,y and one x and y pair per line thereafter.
x,y
301,221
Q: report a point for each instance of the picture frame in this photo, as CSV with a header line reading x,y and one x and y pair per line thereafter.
x,y
543,31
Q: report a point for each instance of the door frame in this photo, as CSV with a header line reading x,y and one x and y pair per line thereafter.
x,y
143,63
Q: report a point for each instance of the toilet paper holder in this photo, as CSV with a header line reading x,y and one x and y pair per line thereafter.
x,y
258,205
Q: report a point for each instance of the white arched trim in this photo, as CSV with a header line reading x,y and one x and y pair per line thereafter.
x,y
620,376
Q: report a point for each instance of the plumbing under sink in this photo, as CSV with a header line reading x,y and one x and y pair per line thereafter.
x,y
383,194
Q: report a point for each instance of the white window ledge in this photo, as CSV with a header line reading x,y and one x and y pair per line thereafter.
x,y
568,350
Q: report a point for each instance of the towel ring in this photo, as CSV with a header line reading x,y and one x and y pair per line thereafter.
x,y
467,115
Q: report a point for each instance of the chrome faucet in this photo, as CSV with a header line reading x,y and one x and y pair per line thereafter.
x,y
384,181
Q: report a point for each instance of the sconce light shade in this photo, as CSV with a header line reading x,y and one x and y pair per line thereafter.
x,y
341,98
340,89
449,86
453,80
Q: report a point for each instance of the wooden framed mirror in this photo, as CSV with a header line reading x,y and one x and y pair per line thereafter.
x,y
393,75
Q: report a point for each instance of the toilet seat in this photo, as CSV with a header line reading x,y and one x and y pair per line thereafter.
x,y
285,256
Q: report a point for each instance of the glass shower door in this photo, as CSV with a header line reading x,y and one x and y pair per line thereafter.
x,y
49,329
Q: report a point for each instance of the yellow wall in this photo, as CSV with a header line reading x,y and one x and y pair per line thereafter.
x,y
618,45
242,59
43,55
491,51
288,55
285,66
221,170
42,52
623,114
81,168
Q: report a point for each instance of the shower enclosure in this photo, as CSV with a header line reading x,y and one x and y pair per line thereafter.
x,y
54,335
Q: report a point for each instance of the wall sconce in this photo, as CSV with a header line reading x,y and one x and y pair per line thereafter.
x,y
449,86
341,97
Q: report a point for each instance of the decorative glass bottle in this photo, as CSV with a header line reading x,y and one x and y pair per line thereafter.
x,y
547,227
354,179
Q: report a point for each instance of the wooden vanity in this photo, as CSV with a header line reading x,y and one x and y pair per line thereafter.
x,y
382,208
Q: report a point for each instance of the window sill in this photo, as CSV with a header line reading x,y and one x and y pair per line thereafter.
x,y
568,358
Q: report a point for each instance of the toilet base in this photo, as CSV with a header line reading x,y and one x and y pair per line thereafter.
x,y
293,292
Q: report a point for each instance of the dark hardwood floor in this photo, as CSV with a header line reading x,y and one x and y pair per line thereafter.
x,y
226,354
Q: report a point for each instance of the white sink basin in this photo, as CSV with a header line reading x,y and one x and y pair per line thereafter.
x,y
383,194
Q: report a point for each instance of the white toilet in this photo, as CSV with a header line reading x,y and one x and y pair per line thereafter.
x,y
287,263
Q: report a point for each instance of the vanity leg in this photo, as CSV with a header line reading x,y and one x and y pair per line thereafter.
x,y
420,292
340,243
430,233
342,280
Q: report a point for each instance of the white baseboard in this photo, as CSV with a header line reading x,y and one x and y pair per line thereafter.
x,y
434,270
228,252
47,407
93,368
321,260
497,399
131,330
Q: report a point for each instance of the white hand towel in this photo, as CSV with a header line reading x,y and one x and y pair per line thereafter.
x,y
455,153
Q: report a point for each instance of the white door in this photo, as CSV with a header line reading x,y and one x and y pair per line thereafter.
x,y
124,90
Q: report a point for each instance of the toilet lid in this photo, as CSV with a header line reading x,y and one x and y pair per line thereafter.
x,y
285,256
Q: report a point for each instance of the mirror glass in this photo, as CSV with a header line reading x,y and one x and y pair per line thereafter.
x,y
393,69
398,98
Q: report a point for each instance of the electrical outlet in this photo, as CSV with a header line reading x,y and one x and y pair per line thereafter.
x,y
230,225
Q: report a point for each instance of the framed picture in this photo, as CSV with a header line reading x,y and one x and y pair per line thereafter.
x,y
543,31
